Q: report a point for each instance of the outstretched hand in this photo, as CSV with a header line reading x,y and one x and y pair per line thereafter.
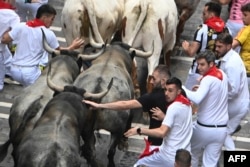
x,y
77,43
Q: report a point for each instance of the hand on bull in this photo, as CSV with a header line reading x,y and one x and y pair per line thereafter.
x,y
157,114
77,43
91,103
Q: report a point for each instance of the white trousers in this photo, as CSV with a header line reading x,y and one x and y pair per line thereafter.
x,y
5,60
25,75
27,10
208,142
236,111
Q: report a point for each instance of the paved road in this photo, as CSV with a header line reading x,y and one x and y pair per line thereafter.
x,y
180,65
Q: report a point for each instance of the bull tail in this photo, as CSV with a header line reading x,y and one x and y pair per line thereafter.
x,y
92,18
142,17
4,150
123,143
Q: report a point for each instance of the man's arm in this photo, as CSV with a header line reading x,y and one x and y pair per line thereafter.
x,y
235,43
197,96
190,49
118,105
233,77
160,132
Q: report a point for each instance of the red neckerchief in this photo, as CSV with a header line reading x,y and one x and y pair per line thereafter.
x,y
5,5
215,23
215,72
35,23
182,99
147,151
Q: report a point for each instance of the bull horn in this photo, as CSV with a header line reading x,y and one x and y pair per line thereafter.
x,y
92,41
141,53
92,56
47,47
98,95
51,84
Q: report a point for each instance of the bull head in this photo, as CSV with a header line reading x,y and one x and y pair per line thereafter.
x,y
85,94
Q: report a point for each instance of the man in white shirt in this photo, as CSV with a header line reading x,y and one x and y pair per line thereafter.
x,y
176,128
210,129
8,20
238,93
29,51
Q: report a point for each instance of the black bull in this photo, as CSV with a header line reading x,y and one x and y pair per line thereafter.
x,y
115,62
55,139
32,100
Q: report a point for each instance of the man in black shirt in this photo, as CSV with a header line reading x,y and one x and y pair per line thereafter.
x,y
150,102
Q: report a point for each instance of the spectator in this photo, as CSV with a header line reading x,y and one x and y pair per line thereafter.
x,y
234,22
154,103
176,128
204,38
243,38
182,158
211,96
238,94
27,9
8,20
29,50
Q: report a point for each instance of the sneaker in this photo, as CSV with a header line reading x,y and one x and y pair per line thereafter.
x,y
10,81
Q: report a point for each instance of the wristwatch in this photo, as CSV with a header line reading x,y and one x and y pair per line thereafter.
x,y
138,131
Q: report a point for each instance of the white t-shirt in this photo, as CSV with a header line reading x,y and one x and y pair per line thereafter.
x,y
8,19
179,119
30,48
